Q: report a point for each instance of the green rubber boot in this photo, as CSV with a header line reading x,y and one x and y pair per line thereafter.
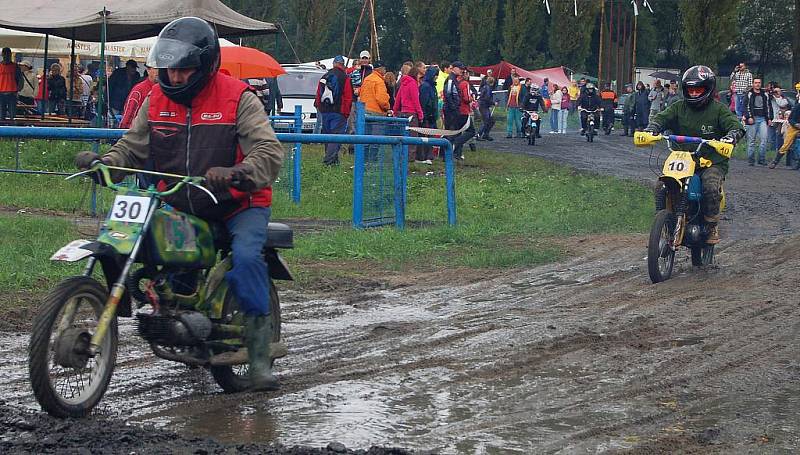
x,y
258,337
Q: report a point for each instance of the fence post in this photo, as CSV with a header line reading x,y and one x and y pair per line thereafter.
x,y
298,154
450,183
358,170
399,163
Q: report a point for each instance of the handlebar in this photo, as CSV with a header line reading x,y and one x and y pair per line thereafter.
x,y
643,138
104,171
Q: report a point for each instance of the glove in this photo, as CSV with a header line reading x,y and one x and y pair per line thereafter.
x,y
652,129
222,178
84,160
728,139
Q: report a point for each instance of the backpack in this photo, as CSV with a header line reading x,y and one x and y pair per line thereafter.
x,y
452,97
331,90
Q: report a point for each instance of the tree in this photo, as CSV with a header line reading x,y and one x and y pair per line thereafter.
x,y
668,40
478,26
313,27
571,37
393,36
709,28
429,22
766,36
523,30
796,43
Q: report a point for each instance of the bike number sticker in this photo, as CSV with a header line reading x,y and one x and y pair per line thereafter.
x,y
677,165
130,209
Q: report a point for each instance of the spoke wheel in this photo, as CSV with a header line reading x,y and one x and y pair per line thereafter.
x,y
66,380
703,255
660,255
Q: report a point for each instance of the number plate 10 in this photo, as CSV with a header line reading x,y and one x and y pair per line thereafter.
x,y
130,209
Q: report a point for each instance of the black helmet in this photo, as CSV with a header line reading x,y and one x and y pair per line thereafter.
x,y
188,42
699,76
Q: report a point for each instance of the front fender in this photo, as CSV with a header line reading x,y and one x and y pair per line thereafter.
x,y
112,263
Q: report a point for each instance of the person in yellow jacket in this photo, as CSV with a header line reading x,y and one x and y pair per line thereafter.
x,y
373,91
573,94
444,73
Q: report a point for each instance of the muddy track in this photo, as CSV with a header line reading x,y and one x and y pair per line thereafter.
x,y
579,356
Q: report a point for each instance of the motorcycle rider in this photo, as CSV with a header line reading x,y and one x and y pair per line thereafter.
x,y
699,114
608,101
589,101
198,121
532,102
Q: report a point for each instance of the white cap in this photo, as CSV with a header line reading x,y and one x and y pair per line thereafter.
x,y
364,54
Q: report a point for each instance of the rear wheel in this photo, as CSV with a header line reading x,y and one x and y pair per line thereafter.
x,y
236,378
660,255
702,255
66,380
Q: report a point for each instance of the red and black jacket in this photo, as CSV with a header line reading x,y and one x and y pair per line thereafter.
x,y
190,140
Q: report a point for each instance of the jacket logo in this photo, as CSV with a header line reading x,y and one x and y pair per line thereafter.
x,y
211,115
167,114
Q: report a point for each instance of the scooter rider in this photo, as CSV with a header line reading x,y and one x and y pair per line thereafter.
x,y
198,121
589,101
533,102
698,114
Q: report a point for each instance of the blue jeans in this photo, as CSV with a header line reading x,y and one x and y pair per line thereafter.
x,y
757,130
554,114
739,105
249,277
562,120
332,123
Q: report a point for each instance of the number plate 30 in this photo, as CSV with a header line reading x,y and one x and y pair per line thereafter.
x,y
130,209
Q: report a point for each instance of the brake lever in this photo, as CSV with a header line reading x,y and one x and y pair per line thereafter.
x,y
213,198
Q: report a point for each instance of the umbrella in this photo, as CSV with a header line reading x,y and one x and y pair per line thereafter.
x,y
666,75
246,62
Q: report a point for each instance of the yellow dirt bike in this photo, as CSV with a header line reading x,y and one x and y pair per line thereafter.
x,y
679,219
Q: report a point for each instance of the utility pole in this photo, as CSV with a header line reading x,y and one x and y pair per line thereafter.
x,y
600,57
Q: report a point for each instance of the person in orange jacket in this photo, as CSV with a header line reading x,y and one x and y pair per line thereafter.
x,y
608,101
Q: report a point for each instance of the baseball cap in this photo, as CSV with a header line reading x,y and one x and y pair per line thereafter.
x,y
459,64
26,63
131,62
364,54
339,59
378,64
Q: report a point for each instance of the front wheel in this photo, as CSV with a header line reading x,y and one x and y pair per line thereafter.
x,y
702,255
532,135
66,380
660,255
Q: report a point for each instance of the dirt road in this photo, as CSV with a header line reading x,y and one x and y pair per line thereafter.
x,y
580,356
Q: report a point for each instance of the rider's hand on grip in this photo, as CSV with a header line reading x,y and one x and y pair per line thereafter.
x,y
85,160
643,138
220,178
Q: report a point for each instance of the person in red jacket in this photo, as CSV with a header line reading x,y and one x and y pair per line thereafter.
x,y
333,102
231,139
406,104
456,106
137,96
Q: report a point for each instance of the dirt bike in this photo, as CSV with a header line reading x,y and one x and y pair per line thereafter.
x,y
679,219
530,126
592,119
173,262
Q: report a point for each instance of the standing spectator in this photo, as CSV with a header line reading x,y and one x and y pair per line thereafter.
x,y
545,90
513,104
656,98
137,96
566,106
120,84
30,83
457,108
57,90
507,82
742,81
672,95
732,98
780,109
41,93
573,95
10,85
81,86
333,102
629,111
674,84
485,105
444,73
555,109
429,100
641,106
608,101
792,129
391,86
758,117
373,91
272,96
406,104
357,72
86,85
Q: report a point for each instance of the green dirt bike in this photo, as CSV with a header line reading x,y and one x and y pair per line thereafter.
x,y
173,262
679,220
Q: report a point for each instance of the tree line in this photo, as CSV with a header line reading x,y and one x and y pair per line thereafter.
x,y
677,33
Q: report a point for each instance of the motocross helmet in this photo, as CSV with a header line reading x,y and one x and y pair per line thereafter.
x,y
534,89
188,42
590,88
698,85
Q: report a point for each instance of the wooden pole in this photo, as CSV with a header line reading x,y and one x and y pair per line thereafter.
x,y
358,27
617,62
374,30
600,57
625,49
609,67
633,54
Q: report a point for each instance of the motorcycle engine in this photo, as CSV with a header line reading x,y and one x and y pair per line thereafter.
x,y
188,328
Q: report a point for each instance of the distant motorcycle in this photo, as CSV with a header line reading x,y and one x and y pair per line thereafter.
x,y
530,126
592,120
679,219
171,261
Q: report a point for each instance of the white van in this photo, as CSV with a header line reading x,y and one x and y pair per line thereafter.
x,y
299,87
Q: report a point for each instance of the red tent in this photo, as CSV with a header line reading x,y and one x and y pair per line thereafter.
x,y
503,69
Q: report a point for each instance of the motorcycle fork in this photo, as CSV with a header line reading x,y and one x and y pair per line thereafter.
x,y
118,289
677,236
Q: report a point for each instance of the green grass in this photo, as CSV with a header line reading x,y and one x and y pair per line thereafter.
x,y
511,208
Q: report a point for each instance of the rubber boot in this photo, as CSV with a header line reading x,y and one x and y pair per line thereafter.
x,y
775,162
712,230
258,336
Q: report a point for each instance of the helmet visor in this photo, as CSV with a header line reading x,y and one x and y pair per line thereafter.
x,y
171,53
696,92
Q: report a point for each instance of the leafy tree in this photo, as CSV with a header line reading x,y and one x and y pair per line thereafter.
x,y
313,26
523,30
571,37
768,34
709,28
668,40
478,26
393,36
429,22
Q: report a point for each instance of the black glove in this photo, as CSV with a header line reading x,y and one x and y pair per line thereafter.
x,y
222,178
84,160
652,129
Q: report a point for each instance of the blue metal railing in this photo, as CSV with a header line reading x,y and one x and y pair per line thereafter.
x,y
298,138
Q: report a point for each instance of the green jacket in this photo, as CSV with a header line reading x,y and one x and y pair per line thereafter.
x,y
713,122
630,103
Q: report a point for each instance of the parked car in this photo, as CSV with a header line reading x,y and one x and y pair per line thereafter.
x,y
299,87
620,105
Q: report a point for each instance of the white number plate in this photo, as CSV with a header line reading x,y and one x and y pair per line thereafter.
x,y
131,209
